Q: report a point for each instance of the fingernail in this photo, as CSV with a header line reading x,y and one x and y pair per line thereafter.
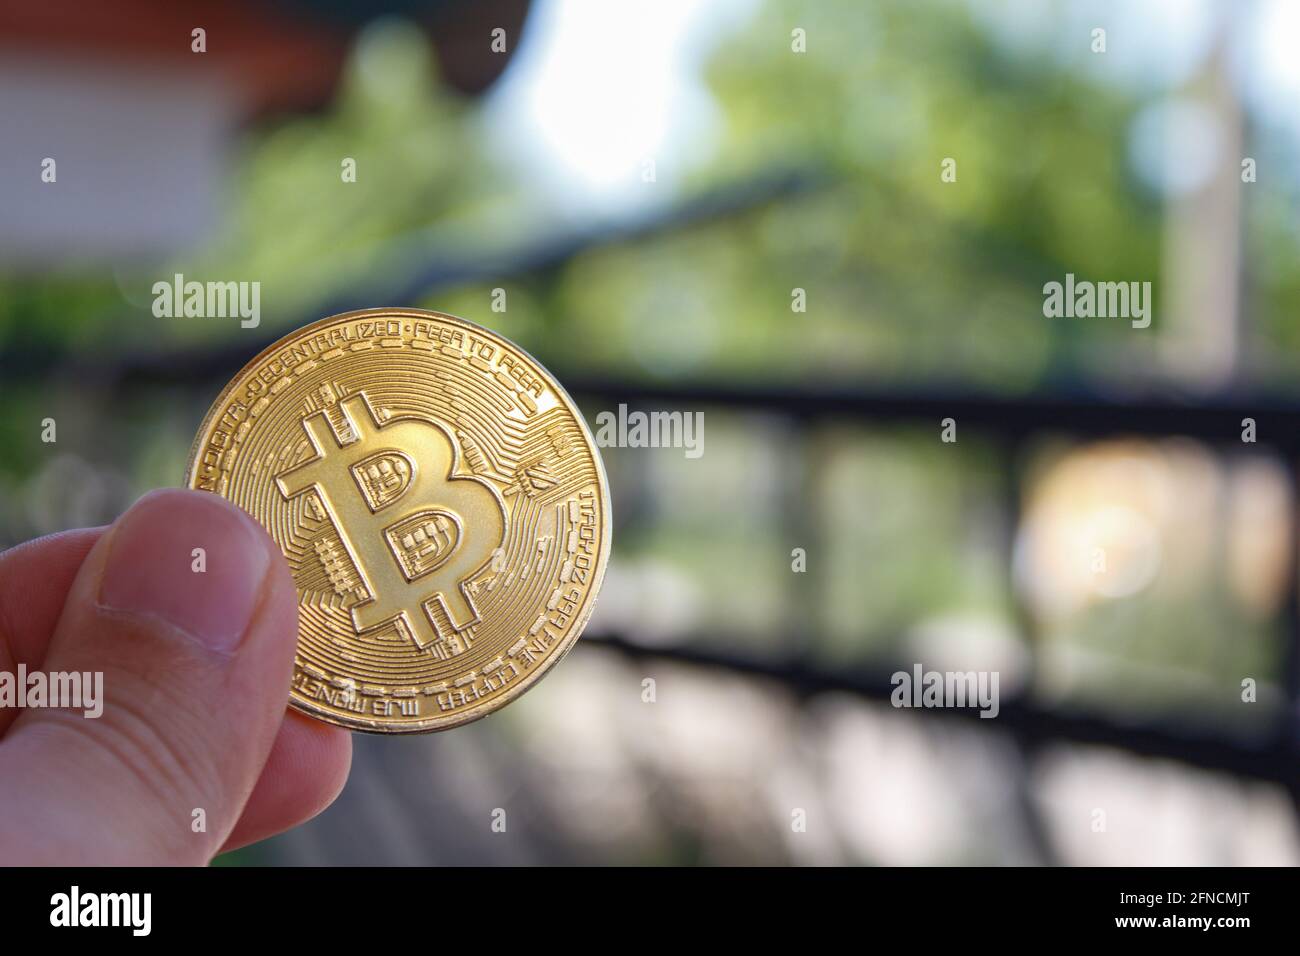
x,y
190,558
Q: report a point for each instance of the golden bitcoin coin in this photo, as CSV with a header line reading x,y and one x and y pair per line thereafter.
x,y
440,501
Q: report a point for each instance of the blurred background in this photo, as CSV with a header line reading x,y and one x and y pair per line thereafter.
x,y
737,207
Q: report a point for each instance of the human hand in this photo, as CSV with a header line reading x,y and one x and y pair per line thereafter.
x,y
196,668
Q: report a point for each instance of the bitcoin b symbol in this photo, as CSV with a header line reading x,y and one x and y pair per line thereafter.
x,y
415,530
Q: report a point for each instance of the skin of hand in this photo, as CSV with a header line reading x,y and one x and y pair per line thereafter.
x,y
196,668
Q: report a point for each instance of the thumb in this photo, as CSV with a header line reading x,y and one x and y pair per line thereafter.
x,y
196,652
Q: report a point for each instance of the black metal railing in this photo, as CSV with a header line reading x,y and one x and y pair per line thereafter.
x,y
1007,423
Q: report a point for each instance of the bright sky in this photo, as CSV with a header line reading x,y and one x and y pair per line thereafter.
x,y
602,89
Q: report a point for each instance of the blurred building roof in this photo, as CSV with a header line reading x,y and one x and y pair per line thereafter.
x,y
278,55
122,130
